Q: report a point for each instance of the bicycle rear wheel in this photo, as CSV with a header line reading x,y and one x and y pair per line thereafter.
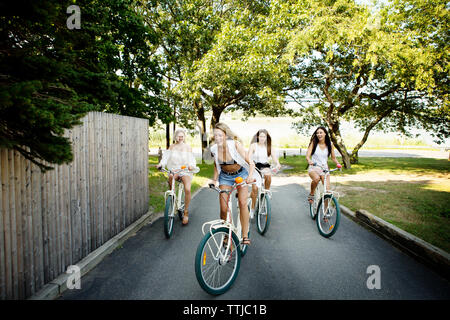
x,y
263,214
217,267
328,219
313,206
168,217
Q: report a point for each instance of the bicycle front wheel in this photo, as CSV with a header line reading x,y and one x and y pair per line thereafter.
x,y
328,217
263,215
168,217
217,261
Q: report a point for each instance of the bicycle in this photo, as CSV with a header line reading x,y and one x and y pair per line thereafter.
x,y
174,202
218,256
325,207
263,205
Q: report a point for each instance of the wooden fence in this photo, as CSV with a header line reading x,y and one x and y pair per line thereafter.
x,y
50,221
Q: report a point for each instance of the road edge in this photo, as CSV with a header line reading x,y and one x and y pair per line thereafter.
x,y
426,253
57,286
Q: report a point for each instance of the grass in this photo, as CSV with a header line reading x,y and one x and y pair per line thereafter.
x,y
411,193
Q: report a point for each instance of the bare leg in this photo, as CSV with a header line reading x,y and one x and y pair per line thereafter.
x,y
315,181
242,199
223,202
187,196
267,181
253,195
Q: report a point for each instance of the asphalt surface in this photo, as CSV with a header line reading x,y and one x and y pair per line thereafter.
x,y
291,261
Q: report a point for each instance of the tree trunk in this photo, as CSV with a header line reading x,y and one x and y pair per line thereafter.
x,y
201,122
217,112
336,139
167,135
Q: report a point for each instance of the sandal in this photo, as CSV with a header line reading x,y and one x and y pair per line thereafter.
x,y
246,241
185,219
311,198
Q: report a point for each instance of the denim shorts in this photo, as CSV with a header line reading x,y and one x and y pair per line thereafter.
x,y
225,179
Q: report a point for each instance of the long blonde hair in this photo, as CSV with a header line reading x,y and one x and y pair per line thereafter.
x,y
178,131
228,132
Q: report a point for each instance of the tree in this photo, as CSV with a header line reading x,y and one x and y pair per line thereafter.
x,y
187,30
243,70
52,75
361,66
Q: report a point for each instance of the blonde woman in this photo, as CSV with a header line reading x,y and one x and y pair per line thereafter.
x,y
180,154
231,161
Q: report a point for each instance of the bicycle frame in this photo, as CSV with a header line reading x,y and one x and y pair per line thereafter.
x,y
333,194
177,197
228,223
262,190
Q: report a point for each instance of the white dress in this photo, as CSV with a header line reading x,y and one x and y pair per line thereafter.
x,y
174,159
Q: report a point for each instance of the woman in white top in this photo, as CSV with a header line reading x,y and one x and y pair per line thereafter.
x,y
260,151
180,154
231,161
319,149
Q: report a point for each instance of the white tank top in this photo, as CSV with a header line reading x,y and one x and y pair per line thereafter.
x,y
320,157
260,155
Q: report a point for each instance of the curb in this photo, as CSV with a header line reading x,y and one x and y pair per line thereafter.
x,y
436,258
57,286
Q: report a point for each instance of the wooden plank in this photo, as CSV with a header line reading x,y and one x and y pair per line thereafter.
x,y
116,174
104,173
121,155
74,207
3,227
28,230
19,221
37,181
13,225
86,181
81,151
92,193
58,221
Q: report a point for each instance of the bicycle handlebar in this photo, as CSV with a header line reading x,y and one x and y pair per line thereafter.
x,y
339,167
274,170
213,186
175,171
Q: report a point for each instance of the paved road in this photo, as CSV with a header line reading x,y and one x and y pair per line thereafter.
x,y
292,261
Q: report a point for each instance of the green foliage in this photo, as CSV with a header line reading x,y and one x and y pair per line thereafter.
x,y
370,67
51,75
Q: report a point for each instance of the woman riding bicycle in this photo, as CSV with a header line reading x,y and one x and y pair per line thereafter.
x,y
231,161
260,151
180,154
319,149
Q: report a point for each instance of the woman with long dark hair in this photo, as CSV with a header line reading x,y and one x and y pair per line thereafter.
x,y
319,149
260,151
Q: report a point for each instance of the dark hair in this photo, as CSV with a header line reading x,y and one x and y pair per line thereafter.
x,y
269,140
314,140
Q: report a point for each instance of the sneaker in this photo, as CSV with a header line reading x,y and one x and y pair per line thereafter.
x,y
252,213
